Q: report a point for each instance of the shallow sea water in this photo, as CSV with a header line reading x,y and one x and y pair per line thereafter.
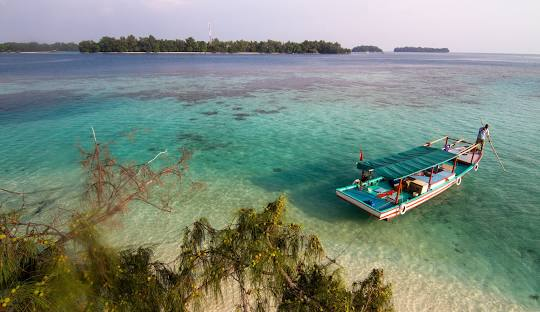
x,y
263,125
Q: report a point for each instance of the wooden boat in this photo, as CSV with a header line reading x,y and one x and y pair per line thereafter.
x,y
392,185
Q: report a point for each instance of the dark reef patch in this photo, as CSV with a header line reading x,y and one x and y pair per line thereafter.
x,y
210,113
20,101
241,116
469,101
277,170
294,82
193,137
203,93
190,97
209,146
195,141
132,134
383,101
266,112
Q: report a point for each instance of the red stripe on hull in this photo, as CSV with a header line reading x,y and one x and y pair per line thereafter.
x,y
417,202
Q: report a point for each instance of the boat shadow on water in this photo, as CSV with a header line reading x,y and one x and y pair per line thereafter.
x,y
311,188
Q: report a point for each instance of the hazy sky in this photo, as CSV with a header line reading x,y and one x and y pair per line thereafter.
x,y
461,25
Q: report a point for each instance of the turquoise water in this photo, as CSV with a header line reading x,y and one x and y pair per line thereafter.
x,y
262,125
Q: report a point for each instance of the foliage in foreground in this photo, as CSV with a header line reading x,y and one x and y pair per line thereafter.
x,y
271,264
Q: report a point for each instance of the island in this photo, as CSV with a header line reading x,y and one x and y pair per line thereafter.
x,y
420,49
366,48
38,47
151,44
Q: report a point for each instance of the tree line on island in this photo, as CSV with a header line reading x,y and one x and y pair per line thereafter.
x,y
366,48
151,44
422,49
38,47
262,262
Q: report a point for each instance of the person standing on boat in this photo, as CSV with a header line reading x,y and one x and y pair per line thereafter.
x,y
482,134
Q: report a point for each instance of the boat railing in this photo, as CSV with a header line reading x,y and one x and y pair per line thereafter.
x,y
435,141
372,181
468,149
449,140
455,141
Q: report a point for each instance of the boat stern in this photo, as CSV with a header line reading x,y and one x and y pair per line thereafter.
x,y
351,195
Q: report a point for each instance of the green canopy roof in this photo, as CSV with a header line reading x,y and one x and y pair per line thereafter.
x,y
406,163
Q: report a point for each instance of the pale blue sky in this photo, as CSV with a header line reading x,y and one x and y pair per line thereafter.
x,y
461,25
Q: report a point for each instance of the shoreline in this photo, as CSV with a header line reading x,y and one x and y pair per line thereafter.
x,y
259,53
185,53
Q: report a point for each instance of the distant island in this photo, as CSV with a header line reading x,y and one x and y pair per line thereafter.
x,y
420,49
366,48
152,45
37,47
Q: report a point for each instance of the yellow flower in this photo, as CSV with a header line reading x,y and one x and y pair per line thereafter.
x,y
2,236
7,300
13,290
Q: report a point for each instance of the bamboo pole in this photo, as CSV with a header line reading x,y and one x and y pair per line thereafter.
x,y
433,142
493,148
495,152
